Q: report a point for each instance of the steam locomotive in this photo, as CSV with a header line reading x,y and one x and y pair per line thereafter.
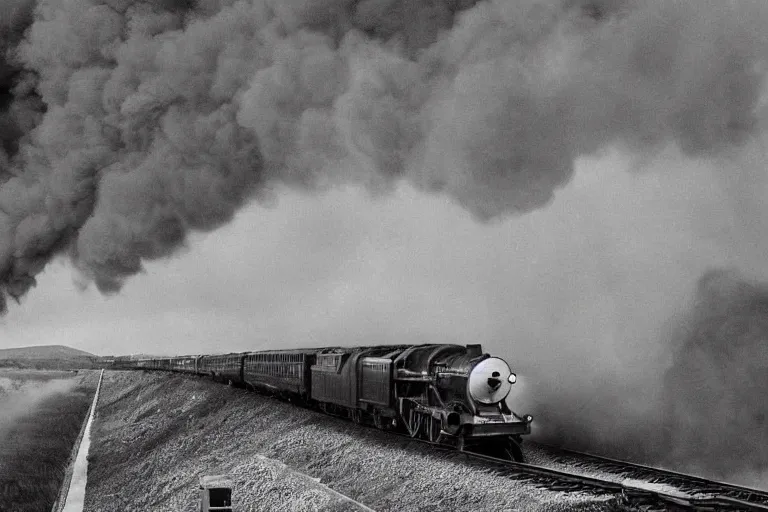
x,y
446,394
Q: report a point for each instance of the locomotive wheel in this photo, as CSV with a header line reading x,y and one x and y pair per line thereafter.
x,y
434,426
377,421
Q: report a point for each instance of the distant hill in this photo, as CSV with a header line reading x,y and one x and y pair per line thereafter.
x,y
59,357
43,352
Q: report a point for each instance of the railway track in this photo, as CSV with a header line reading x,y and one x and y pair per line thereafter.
x,y
631,494
636,484
696,487
657,490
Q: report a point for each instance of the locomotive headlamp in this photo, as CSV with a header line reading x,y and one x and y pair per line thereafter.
x,y
512,378
490,381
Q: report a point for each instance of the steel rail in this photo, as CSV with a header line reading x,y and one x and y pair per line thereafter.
x,y
693,502
686,483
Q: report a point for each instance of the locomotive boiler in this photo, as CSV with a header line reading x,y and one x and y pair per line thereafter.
x,y
445,394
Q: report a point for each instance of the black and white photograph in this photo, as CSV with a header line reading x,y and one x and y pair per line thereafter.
x,y
383,255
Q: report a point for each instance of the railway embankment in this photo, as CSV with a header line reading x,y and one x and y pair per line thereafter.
x,y
156,433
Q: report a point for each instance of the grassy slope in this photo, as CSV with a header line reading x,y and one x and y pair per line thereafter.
x,y
53,357
155,433
43,352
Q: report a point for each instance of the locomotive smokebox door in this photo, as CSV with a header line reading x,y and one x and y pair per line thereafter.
x,y
215,493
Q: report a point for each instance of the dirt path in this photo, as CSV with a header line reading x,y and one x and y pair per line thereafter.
x,y
76,492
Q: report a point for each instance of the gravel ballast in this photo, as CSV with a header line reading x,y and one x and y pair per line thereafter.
x,y
156,433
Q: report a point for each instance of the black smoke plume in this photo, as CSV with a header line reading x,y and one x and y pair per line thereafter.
x,y
699,408
126,124
716,412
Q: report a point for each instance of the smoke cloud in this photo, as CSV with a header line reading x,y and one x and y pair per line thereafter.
x,y
638,344
718,380
702,410
130,124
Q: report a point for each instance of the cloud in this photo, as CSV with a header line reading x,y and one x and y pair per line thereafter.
x,y
154,120
718,379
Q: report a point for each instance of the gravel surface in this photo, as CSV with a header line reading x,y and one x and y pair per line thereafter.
x,y
156,433
574,463
541,456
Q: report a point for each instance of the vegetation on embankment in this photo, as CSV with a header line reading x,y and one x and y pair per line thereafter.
x,y
156,433
35,447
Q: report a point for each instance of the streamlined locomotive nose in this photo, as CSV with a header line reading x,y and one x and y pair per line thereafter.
x,y
490,381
